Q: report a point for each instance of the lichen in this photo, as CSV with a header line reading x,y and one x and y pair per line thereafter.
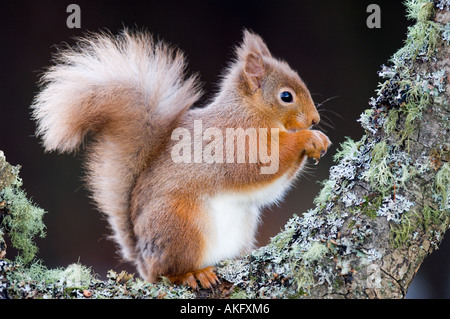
x,y
379,174
368,188
325,192
433,220
446,33
9,175
423,36
390,124
387,167
401,232
398,109
79,282
23,222
394,208
37,281
348,149
443,4
442,187
20,219
315,252
384,161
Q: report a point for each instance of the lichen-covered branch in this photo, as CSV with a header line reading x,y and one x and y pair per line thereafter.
x,y
385,205
383,209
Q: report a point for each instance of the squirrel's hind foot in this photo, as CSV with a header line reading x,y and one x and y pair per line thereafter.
x,y
206,276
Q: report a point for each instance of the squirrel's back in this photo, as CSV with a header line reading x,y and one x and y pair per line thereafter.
x,y
127,92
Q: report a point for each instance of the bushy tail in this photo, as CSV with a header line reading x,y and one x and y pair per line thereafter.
x,y
127,92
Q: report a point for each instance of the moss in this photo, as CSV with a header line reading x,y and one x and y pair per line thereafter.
x,y
9,175
418,10
284,238
20,219
79,282
416,102
315,252
379,175
36,272
391,121
239,293
371,206
37,281
325,192
400,233
442,186
303,279
414,95
431,218
423,36
75,276
306,265
348,148
425,12
22,222
379,152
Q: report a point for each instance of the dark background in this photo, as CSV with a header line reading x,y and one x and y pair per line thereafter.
x,y
327,42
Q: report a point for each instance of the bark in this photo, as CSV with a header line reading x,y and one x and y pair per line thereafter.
x,y
382,211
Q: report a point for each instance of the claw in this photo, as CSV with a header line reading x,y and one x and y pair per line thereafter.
x,y
205,276
191,282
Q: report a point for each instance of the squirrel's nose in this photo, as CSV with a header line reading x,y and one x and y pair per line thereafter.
x,y
315,118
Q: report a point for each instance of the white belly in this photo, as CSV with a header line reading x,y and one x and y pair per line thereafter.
x,y
234,218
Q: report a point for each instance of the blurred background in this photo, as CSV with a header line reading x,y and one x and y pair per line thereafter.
x,y
326,41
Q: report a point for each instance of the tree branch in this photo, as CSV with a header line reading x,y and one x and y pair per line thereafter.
x,y
382,211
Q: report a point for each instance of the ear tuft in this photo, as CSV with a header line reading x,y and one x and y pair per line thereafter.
x,y
252,52
252,43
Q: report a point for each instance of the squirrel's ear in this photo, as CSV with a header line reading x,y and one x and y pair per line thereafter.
x,y
254,43
252,53
253,70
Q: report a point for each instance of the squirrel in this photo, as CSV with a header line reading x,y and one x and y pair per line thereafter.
x,y
128,94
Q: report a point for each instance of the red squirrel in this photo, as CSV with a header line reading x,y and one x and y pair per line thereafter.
x,y
129,94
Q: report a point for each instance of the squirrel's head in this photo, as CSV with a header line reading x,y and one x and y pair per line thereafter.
x,y
273,87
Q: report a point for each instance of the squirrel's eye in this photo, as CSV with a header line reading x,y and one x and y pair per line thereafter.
x,y
286,97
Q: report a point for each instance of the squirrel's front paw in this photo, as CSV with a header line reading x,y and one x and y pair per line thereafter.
x,y
317,145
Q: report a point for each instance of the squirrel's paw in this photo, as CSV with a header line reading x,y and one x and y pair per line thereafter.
x,y
206,276
317,146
